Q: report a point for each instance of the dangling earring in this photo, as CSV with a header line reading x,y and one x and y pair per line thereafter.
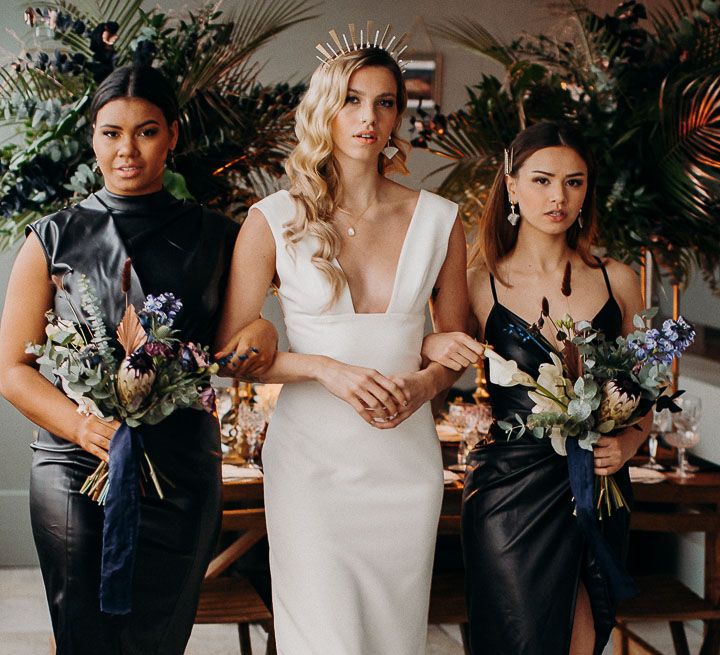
x,y
96,168
171,160
579,219
389,150
513,217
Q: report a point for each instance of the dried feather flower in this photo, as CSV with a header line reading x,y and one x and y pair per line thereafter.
x,y
126,280
566,288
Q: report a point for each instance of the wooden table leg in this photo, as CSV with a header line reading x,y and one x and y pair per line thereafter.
x,y
244,634
711,644
712,567
679,638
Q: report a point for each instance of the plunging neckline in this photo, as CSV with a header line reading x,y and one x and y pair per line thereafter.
x,y
398,266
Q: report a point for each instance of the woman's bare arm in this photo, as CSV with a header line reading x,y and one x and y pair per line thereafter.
x,y
29,295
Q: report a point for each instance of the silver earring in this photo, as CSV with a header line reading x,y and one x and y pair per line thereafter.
x,y
389,150
96,168
170,161
580,219
513,217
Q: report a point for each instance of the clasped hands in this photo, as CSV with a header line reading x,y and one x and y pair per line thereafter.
x,y
385,401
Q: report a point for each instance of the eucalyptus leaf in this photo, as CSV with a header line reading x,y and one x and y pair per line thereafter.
x,y
579,409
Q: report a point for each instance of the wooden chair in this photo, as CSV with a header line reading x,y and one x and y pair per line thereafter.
x,y
234,599
663,598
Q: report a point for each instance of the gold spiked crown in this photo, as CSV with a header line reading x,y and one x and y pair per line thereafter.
x,y
368,38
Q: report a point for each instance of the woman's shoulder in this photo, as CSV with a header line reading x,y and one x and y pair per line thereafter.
x,y
213,217
480,290
277,208
399,193
624,282
621,275
58,221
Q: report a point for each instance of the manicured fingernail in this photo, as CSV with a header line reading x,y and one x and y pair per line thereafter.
x,y
242,358
255,350
225,359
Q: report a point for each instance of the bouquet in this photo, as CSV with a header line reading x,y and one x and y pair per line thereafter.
x,y
592,387
596,387
143,379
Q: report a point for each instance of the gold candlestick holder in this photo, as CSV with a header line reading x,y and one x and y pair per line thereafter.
x,y
481,394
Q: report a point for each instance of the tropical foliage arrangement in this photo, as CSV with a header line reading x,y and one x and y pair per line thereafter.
x,y
234,131
645,90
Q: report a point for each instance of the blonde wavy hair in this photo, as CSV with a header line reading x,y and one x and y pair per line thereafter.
x,y
311,167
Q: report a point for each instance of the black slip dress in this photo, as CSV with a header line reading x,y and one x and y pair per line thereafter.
x,y
524,551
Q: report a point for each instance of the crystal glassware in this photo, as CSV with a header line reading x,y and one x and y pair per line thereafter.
x,y
685,431
464,417
252,422
661,424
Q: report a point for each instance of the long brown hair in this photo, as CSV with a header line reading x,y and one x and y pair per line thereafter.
x,y
496,237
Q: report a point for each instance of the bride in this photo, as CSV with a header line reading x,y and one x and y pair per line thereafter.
x,y
353,472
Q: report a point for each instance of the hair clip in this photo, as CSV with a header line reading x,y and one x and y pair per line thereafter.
x,y
508,161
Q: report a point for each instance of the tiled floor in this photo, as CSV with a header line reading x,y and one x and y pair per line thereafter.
x,y
25,626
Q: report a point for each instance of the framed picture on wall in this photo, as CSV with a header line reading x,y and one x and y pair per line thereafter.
x,y
423,80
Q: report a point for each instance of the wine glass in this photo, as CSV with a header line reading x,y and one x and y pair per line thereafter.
x,y
464,417
661,424
685,433
252,422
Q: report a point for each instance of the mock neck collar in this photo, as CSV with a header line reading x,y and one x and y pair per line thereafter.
x,y
145,203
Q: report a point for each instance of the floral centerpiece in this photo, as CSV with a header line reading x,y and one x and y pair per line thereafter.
x,y
594,387
151,374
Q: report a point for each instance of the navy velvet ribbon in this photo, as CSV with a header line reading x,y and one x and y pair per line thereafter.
x,y
582,484
122,521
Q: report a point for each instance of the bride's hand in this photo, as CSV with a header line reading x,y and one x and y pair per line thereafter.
x,y
454,350
372,395
418,388
250,351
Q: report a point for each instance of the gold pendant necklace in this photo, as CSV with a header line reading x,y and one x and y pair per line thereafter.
x,y
351,231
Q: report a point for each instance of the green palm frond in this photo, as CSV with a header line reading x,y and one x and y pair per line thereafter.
x,y
472,36
252,27
689,158
666,19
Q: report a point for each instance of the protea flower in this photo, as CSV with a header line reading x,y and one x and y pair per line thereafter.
x,y
619,401
135,378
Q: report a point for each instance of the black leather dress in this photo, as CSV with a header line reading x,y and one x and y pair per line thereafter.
x,y
176,247
524,551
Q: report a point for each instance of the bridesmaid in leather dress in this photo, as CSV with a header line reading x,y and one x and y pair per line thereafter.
x,y
177,247
533,585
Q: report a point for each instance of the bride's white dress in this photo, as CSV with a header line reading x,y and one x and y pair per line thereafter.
x,y
352,511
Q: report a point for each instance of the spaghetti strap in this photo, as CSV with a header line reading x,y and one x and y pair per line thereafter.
x,y
492,286
605,275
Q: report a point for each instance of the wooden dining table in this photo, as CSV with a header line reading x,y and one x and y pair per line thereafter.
x,y
673,505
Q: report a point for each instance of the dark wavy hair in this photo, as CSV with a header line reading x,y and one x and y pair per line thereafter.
x,y
137,82
496,237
